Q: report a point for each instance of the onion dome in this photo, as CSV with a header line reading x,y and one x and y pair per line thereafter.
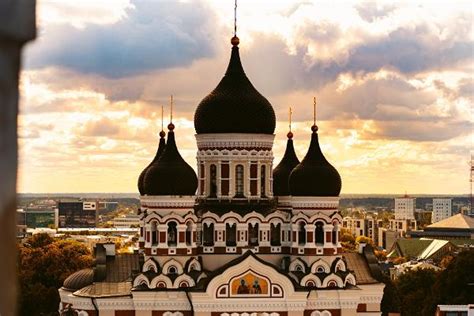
x,y
315,176
171,175
234,106
282,172
161,148
79,280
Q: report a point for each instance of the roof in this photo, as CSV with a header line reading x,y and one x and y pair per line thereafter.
x,y
417,248
235,106
159,151
120,267
315,176
171,175
79,279
357,263
281,173
458,221
105,289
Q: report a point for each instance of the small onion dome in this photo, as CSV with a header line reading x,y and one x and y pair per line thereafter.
x,y
79,280
161,148
234,106
282,172
315,176
171,175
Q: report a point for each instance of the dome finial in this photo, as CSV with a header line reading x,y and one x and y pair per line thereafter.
x,y
235,40
171,125
314,128
290,133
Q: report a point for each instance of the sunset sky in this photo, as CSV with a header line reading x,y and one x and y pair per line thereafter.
x,y
394,84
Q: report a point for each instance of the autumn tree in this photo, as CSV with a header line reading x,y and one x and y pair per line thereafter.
x,y
44,264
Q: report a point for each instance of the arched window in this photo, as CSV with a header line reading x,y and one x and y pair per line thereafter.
x,y
213,181
275,234
208,235
302,233
319,232
230,235
239,181
253,234
172,270
334,234
263,179
154,233
189,233
172,234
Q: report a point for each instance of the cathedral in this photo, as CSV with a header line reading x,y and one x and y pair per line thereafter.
x,y
240,237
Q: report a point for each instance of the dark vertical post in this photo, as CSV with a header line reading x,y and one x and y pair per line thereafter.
x,y
17,27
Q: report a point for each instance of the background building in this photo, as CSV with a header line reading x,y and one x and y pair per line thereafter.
x,y
405,207
77,213
127,221
442,208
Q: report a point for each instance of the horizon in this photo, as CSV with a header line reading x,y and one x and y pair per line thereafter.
x,y
393,83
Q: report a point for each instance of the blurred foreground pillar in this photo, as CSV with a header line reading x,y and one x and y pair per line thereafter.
x,y
17,27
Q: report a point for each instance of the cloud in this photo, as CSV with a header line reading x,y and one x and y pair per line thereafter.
x,y
154,35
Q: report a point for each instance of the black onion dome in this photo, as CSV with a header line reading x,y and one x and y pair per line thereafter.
x,y
79,280
281,173
315,176
161,148
171,175
235,106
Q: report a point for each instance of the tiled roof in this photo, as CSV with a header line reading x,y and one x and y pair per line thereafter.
x,y
357,263
458,221
120,267
105,289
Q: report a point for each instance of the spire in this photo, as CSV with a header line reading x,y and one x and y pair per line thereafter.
x,y
171,175
159,152
315,176
235,40
314,128
289,161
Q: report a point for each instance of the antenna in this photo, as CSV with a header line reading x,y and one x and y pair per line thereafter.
x,y
235,18
289,114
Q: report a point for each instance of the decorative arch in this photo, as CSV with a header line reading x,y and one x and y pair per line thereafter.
x,y
161,279
350,279
297,263
173,314
310,278
149,265
172,263
193,264
183,278
332,278
141,279
250,278
320,264
340,266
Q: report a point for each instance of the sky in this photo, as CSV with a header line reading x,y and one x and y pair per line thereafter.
x,y
394,83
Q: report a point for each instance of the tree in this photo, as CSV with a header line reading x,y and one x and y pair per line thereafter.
x,y
347,240
390,300
455,284
44,264
414,289
364,240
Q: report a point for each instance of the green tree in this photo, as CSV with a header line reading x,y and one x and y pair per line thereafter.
x,y
390,300
44,264
455,284
415,289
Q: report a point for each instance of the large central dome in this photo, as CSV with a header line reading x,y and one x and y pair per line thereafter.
x,y
234,106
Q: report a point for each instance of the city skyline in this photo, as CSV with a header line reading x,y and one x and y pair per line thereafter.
x,y
393,84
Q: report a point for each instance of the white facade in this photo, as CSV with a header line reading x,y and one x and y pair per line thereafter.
x,y
442,208
405,208
127,221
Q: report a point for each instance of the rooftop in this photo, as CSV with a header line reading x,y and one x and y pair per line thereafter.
x,y
458,221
